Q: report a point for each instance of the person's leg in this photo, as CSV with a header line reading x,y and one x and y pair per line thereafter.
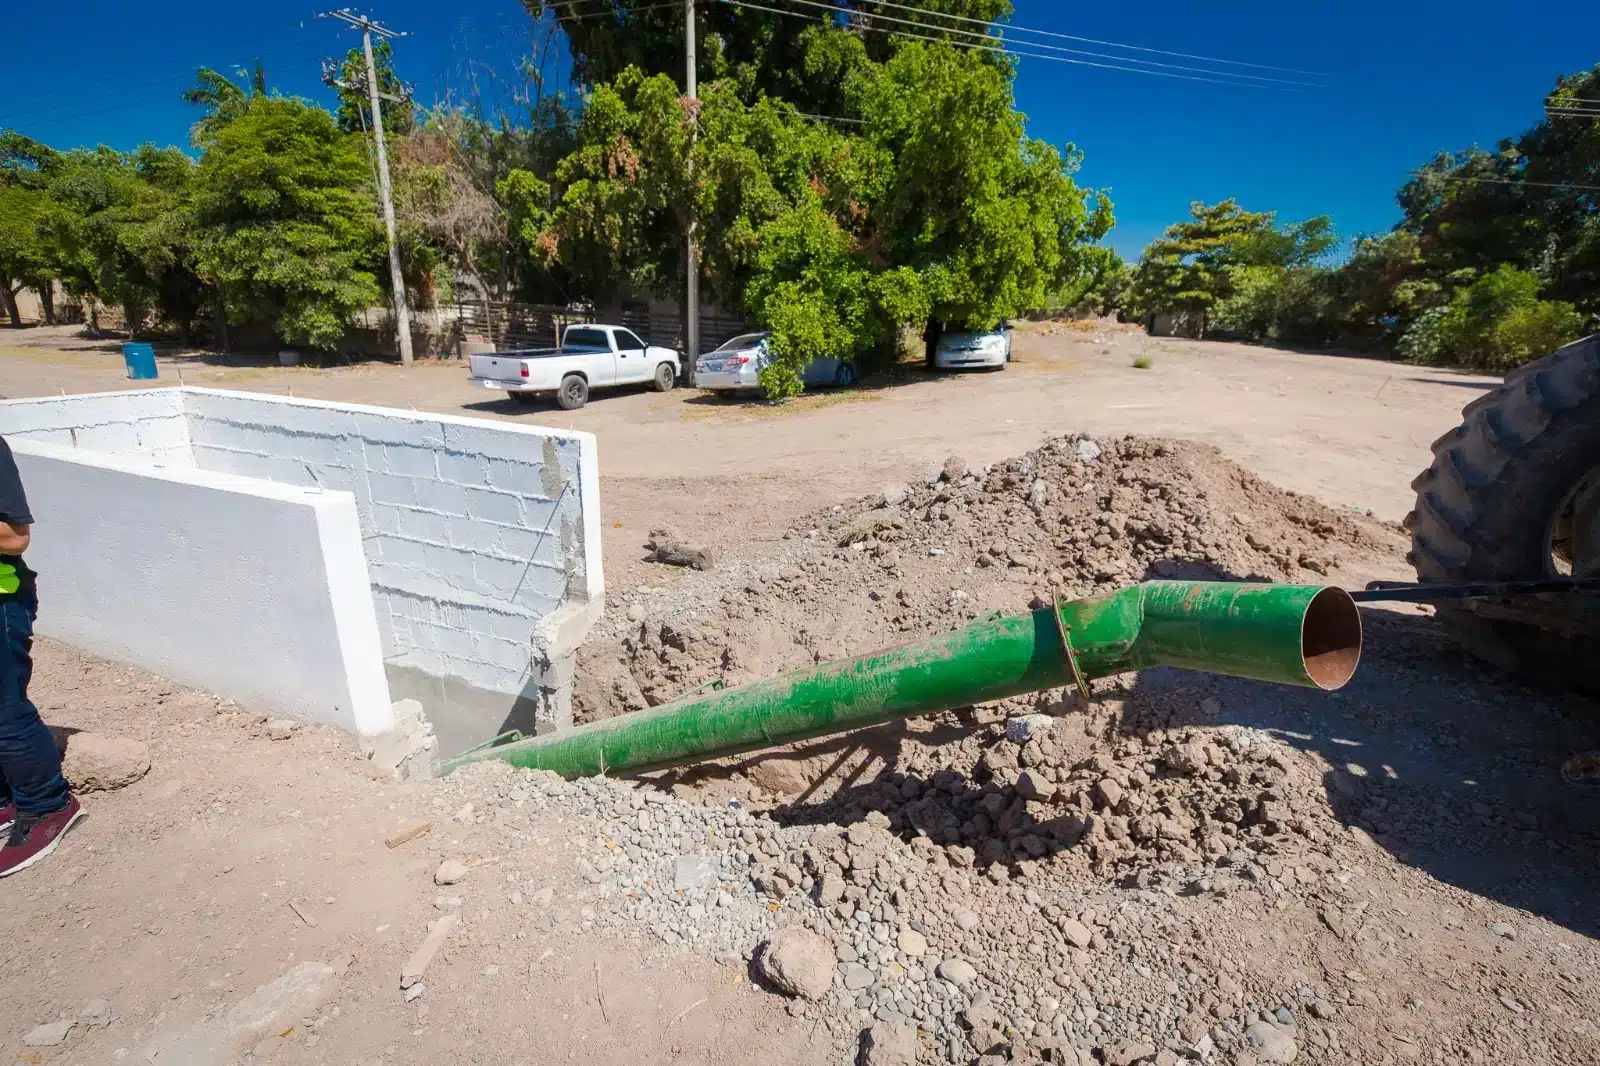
x,y
29,762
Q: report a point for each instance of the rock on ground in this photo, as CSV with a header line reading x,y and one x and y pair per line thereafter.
x,y
450,872
100,763
889,1044
270,1008
48,1035
799,961
1272,1045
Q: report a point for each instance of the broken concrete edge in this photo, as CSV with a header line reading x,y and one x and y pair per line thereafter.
x,y
556,639
409,750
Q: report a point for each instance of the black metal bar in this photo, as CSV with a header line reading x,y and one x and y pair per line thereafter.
x,y
1410,592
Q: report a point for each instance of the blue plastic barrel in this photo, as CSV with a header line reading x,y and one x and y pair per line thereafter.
x,y
141,360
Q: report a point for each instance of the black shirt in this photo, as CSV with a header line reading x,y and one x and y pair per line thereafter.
x,y
13,509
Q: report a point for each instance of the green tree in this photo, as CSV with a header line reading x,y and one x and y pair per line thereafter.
x,y
285,223
1496,323
24,258
354,113
1224,253
222,98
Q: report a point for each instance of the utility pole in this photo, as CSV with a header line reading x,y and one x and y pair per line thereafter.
x,y
691,285
402,318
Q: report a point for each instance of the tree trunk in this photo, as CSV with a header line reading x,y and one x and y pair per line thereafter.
x,y
483,295
47,300
8,297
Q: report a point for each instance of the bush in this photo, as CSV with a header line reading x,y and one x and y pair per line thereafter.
x,y
1496,323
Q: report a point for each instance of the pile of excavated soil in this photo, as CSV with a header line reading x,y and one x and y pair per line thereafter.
x,y
1074,515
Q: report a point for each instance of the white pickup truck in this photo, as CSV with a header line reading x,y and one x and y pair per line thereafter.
x,y
591,356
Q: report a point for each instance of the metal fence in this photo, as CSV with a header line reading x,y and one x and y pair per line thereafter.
x,y
520,325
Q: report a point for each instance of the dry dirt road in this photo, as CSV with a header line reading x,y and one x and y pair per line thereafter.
x,y
1352,432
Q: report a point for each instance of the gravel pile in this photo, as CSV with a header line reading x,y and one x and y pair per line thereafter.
x,y
1075,515
956,914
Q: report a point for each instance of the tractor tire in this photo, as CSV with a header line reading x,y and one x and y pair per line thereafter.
x,y
1513,492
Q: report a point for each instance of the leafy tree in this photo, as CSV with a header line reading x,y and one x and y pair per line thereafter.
x,y
223,98
1222,254
438,205
24,259
286,227
1496,323
354,113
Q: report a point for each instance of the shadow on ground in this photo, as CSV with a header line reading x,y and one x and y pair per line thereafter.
x,y
1453,770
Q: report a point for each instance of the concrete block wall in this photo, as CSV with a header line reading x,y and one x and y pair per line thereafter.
x,y
254,590
149,423
481,539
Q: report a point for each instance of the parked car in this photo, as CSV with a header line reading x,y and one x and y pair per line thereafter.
x,y
591,356
990,349
737,365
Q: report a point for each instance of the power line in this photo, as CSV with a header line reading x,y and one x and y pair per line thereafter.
x,y
1012,51
1091,40
1052,47
1507,181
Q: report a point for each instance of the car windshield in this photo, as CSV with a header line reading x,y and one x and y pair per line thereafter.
x,y
748,340
586,338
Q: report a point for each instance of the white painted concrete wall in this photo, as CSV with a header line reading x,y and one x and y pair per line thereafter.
x,y
149,423
254,590
482,538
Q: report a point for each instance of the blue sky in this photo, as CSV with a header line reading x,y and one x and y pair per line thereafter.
x,y
1400,80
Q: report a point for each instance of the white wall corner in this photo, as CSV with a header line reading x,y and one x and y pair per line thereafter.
x,y
354,615
589,497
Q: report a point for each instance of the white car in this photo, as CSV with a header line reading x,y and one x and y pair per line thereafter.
x,y
737,365
591,356
965,350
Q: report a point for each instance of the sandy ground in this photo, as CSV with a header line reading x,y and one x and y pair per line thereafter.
x,y
1352,432
172,900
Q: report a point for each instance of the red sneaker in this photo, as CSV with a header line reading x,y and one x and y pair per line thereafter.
x,y
33,836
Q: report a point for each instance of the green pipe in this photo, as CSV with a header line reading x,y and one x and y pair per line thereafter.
x,y
1293,634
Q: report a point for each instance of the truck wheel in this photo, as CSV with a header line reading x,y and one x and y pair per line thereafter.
x,y
574,392
1514,493
523,398
666,377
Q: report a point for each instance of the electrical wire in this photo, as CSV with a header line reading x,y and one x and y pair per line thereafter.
x,y
1013,52
1052,47
1508,181
1088,40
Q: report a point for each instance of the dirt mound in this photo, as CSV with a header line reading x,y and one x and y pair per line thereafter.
x,y
1075,515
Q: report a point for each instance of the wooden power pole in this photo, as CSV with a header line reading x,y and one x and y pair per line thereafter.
x,y
397,281
691,283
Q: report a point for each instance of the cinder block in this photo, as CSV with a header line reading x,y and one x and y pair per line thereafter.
x,y
424,526
445,640
499,579
463,469
316,449
489,505
513,627
536,544
450,567
474,537
158,434
496,441
441,496
383,518
409,461
518,477
419,431
400,552
506,654
386,488
118,438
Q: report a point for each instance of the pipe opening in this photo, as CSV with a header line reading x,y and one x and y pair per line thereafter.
x,y
1330,638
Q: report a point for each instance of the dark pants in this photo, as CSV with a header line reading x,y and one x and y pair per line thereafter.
x,y
30,766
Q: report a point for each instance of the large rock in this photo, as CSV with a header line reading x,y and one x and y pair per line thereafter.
x,y
799,962
95,763
1271,1043
271,1008
958,972
889,1044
